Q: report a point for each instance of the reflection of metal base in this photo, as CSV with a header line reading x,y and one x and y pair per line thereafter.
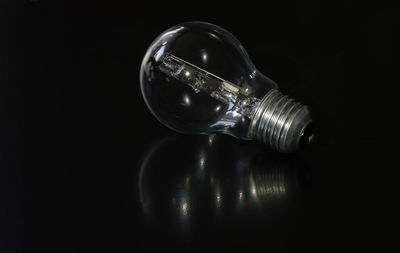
x,y
276,177
281,123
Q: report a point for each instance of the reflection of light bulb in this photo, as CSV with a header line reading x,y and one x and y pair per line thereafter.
x,y
242,183
197,78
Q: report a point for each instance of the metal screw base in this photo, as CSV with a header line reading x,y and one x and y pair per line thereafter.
x,y
281,123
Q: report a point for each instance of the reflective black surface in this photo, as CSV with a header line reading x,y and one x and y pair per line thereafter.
x,y
86,167
218,189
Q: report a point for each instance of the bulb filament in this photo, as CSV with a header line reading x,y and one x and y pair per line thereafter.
x,y
239,99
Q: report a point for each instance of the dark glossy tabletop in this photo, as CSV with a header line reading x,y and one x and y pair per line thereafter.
x,y
86,167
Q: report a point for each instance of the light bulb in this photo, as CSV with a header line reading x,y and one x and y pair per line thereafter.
x,y
196,78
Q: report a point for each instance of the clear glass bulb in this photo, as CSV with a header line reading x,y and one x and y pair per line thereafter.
x,y
196,78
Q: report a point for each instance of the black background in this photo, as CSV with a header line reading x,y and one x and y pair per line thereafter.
x,y
75,132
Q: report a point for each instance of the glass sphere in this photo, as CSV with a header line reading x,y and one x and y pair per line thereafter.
x,y
197,78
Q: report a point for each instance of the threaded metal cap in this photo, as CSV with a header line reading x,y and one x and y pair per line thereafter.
x,y
281,123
